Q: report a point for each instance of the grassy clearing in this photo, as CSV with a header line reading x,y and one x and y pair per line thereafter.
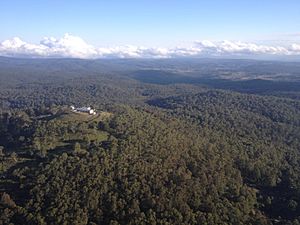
x,y
70,116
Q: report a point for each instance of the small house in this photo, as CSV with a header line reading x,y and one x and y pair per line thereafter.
x,y
88,110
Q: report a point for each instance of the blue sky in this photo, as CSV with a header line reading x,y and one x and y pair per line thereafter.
x,y
150,29
151,23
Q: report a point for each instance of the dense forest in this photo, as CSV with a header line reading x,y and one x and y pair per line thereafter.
x,y
199,141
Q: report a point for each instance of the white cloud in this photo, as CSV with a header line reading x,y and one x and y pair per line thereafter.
x,y
296,48
68,46
75,47
241,48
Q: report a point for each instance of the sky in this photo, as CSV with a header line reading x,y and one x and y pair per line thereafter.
x,y
150,28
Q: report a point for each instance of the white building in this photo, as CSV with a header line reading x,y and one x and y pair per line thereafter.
x,y
88,110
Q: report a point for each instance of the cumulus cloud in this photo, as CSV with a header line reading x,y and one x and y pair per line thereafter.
x,y
296,48
241,48
75,47
68,46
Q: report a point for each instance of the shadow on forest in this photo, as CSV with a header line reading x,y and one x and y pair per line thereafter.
x,y
257,86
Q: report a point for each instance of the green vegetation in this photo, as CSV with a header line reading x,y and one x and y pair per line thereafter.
x,y
156,153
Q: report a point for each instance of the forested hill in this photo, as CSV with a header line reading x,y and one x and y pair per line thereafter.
x,y
170,151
